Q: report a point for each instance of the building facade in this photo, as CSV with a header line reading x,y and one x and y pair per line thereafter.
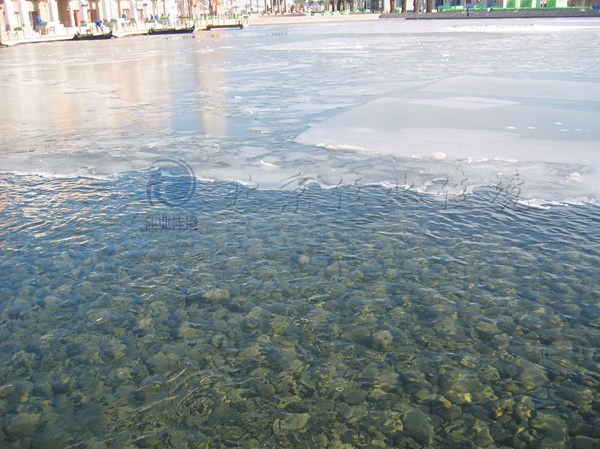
x,y
35,14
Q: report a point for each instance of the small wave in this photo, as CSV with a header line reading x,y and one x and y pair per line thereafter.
x,y
49,175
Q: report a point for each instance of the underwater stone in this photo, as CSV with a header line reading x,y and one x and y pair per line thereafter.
x,y
460,392
377,394
578,397
161,361
583,442
43,390
285,401
380,341
62,383
456,435
487,328
358,413
232,434
324,405
501,341
23,391
303,260
251,352
216,294
280,324
485,394
377,377
450,413
525,408
343,410
91,416
425,397
530,321
480,434
251,322
532,376
113,349
509,370
23,425
122,374
578,427
340,445
517,443
186,330
479,411
549,443
375,419
354,396
551,425
395,420
318,441
53,303
291,422
387,423
23,359
6,390
413,377
15,310
151,440
488,374
499,433
418,425
502,408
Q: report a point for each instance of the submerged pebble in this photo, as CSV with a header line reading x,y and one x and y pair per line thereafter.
x,y
418,425
7,390
290,422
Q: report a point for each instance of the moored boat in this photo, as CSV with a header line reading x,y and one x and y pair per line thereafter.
x,y
92,37
154,31
238,25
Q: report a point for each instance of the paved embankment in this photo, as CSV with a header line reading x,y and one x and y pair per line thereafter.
x,y
317,18
520,14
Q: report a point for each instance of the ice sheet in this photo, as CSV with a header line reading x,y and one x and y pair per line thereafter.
x,y
543,128
437,106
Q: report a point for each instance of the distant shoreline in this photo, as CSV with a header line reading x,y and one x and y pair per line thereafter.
x,y
477,14
294,19
299,19
497,14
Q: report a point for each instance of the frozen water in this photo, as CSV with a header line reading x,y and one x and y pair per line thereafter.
x,y
510,102
515,122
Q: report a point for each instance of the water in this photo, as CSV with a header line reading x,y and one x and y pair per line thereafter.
x,y
386,102
316,286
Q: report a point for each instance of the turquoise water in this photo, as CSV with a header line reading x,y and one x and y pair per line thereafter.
x,y
350,317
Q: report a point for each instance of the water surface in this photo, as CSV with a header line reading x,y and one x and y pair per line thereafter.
x,y
319,287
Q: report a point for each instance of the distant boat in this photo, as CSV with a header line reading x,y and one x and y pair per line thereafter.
x,y
92,37
172,30
226,25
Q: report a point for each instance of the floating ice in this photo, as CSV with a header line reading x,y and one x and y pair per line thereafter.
x,y
481,128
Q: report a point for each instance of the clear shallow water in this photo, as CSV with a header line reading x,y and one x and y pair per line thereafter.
x,y
334,318
382,311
